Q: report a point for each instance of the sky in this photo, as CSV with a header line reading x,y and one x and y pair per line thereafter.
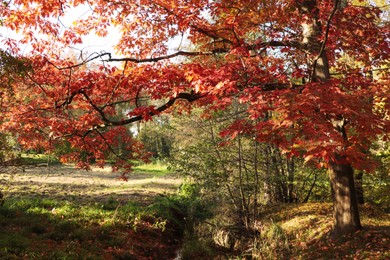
x,y
91,43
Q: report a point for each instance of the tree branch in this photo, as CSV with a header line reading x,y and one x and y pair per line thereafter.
x,y
259,45
134,60
358,71
107,144
321,51
190,97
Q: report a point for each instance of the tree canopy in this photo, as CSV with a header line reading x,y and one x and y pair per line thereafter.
x,y
313,75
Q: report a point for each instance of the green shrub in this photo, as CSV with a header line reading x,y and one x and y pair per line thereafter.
x,y
272,244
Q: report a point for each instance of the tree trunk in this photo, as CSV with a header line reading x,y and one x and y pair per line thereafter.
x,y
290,171
306,199
359,187
345,208
1,199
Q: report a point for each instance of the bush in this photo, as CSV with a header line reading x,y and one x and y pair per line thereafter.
x,y
272,244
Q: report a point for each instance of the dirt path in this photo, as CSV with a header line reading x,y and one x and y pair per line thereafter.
x,y
67,182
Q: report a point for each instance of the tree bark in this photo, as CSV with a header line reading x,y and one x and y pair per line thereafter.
x,y
359,187
290,171
1,199
345,208
306,199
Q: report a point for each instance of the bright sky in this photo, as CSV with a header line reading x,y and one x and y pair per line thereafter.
x,y
91,43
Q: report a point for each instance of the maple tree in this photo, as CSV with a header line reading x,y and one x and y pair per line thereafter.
x,y
284,59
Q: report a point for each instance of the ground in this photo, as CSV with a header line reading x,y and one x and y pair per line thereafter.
x,y
65,182
60,212
307,227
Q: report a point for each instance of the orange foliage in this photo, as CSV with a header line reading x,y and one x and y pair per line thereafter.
x,y
250,51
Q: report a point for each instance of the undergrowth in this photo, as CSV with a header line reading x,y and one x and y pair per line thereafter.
x,y
294,231
45,228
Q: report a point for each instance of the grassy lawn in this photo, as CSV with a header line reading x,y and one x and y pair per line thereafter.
x,y
60,212
38,159
156,168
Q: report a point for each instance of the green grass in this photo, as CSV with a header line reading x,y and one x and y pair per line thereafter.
x,y
47,215
46,228
31,158
156,168
27,224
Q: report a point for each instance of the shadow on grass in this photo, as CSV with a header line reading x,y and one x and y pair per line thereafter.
x,y
99,173
282,212
142,192
370,243
67,183
61,212
48,229
140,196
309,232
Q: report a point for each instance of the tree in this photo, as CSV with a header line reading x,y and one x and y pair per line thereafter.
x,y
280,57
156,138
242,175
